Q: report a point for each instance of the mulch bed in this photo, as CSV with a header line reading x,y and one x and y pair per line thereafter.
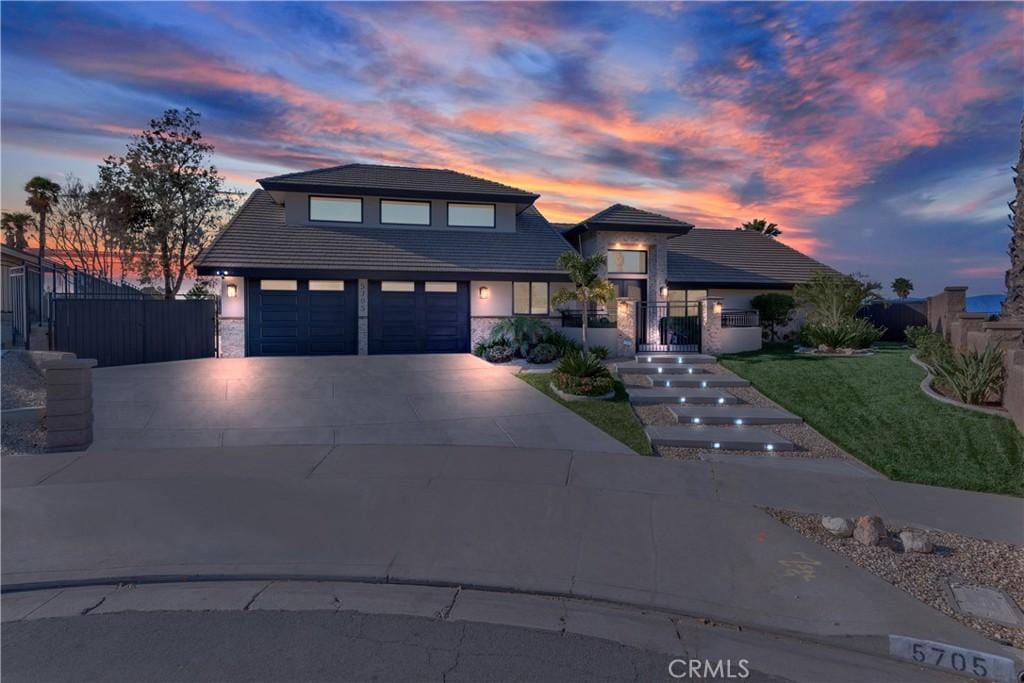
x,y
960,559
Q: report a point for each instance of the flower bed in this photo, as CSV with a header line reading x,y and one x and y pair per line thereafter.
x,y
593,387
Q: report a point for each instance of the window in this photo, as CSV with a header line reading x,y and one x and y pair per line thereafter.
x,y
625,261
530,298
442,287
684,302
336,209
327,285
396,212
279,285
393,286
471,215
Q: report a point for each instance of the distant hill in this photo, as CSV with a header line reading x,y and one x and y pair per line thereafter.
x,y
985,303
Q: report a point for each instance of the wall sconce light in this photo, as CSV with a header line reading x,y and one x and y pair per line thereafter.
x,y
485,293
663,290
232,291
717,308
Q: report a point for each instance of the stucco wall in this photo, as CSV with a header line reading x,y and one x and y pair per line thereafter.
x,y
232,318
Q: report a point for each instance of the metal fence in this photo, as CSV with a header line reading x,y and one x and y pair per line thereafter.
x,y
672,327
896,317
741,319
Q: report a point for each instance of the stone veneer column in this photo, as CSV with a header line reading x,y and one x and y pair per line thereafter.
x,y
625,321
364,308
68,404
711,334
232,337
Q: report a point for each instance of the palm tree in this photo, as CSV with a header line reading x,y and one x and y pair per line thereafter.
x,y
762,226
588,287
15,226
43,195
1013,304
902,287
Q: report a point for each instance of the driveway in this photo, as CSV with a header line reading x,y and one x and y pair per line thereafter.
x,y
426,399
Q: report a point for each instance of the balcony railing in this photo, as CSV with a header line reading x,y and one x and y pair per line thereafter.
x,y
740,319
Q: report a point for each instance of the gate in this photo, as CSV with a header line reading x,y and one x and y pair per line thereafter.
x,y
668,326
15,297
120,331
896,317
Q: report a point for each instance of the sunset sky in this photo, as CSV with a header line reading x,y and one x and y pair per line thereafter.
x,y
879,136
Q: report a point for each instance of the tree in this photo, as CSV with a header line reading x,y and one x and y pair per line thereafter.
x,y
16,225
775,311
89,237
199,290
1013,304
168,197
588,287
833,298
762,226
43,196
902,287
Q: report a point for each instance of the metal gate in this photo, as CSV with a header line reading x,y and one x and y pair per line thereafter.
x,y
669,326
15,296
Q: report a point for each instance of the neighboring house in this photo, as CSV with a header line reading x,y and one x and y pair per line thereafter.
x,y
382,259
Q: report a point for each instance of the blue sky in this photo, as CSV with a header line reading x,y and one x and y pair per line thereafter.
x,y
878,135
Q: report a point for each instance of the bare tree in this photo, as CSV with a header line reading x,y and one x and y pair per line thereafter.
x,y
87,235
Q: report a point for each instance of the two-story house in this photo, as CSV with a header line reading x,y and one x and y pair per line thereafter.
x,y
374,259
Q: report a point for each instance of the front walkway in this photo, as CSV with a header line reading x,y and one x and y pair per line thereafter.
x,y
427,399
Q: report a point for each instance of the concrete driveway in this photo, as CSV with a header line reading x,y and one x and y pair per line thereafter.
x,y
428,399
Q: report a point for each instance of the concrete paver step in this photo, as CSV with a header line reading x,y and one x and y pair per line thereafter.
x,y
673,368
659,395
741,414
674,358
706,381
725,438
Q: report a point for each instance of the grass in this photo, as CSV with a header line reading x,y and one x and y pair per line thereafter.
x,y
873,408
615,417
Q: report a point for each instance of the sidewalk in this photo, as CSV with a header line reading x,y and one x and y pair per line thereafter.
x,y
643,531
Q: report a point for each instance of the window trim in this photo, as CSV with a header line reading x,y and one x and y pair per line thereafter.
x,y
629,272
295,288
529,285
309,208
494,214
399,290
430,211
449,287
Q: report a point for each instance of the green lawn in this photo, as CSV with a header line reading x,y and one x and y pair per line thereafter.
x,y
874,408
615,417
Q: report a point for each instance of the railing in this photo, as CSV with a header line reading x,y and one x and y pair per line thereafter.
x,y
595,319
672,327
741,319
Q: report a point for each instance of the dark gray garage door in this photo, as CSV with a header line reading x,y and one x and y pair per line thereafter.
x,y
301,317
418,317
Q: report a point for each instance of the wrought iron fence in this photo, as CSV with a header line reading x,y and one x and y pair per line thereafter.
x,y
741,319
672,327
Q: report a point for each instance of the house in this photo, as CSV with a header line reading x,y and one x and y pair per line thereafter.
x,y
368,259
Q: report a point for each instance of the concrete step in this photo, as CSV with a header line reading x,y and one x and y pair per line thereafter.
x,y
642,396
741,414
682,358
704,381
636,368
715,438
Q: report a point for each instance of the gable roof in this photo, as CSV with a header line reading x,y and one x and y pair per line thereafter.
x,y
737,257
258,240
622,217
397,181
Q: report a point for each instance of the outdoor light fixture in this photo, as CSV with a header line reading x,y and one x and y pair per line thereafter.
x,y
682,399
663,291
721,400
689,371
769,447
668,383
716,445
696,420
485,293
738,421
703,385
232,291
717,308
660,370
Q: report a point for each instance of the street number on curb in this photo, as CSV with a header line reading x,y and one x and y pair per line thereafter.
x,y
961,660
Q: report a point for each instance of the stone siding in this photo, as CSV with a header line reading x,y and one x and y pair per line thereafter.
x,y
232,337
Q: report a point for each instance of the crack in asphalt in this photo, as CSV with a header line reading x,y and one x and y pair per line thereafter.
x,y
256,595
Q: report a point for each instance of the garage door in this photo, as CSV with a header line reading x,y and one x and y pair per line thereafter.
x,y
418,317
301,317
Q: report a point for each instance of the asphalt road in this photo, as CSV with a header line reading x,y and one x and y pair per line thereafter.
x,y
311,646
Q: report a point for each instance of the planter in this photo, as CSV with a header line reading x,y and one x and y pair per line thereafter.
x,y
850,353
574,397
926,387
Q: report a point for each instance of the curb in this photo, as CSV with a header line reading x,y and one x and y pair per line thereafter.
x,y
926,387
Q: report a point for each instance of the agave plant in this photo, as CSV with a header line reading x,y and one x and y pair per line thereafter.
x,y
585,364
520,333
973,376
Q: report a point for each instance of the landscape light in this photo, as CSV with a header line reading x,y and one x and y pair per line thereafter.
x,y
721,400
679,359
682,399
704,385
668,383
660,370
738,421
696,420
769,447
716,445
689,371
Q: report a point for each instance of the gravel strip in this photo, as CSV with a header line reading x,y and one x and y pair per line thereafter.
x,y
23,386
960,559
23,439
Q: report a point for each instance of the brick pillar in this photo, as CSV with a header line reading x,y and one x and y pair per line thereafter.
x,y
625,321
711,335
68,404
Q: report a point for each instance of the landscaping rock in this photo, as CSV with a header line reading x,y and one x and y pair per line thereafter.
x,y
824,348
915,541
841,527
870,530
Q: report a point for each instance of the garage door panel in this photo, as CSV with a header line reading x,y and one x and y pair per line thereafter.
x,y
419,321
301,322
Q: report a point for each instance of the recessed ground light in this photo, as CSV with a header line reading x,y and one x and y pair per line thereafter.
x,y
738,421
668,383
679,360
721,401
682,399
660,370
769,447
696,420
716,445
689,371
704,385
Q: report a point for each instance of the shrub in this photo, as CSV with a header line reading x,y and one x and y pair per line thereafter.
x,y
480,348
855,333
915,332
542,353
931,346
833,301
520,333
599,351
973,376
775,311
583,374
498,353
562,343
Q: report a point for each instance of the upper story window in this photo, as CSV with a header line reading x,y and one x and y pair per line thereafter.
x,y
402,212
470,215
336,209
627,261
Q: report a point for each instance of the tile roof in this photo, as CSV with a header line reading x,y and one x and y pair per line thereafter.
x,y
620,215
740,257
396,180
258,238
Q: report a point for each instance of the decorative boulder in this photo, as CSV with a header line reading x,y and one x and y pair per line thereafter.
x,y
915,541
838,526
870,530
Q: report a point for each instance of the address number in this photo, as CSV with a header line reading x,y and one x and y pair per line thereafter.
x,y
971,662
